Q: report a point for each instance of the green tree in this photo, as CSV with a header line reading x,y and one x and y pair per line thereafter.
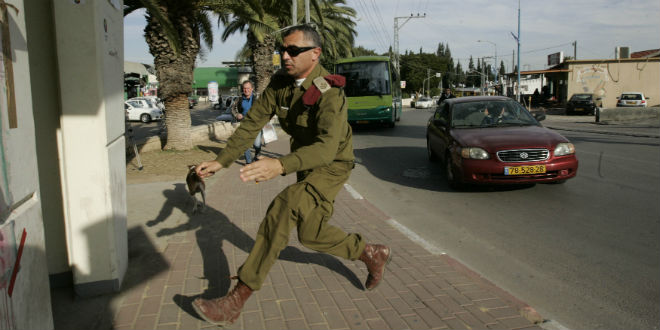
x,y
334,22
175,32
361,51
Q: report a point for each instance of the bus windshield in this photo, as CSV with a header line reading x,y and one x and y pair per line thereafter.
x,y
365,78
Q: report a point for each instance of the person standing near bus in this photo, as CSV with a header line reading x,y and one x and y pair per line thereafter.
x,y
313,111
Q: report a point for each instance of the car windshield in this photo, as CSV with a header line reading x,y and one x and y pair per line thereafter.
x,y
631,97
581,97
490,114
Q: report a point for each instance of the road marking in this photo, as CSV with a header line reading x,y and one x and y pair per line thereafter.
x,y
352,191
416,238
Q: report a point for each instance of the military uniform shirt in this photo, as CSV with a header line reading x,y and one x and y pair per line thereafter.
x,y
320,134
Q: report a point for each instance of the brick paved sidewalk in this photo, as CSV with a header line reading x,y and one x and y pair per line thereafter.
x,y
178,256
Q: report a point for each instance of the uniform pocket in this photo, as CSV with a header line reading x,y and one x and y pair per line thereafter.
x,y
282,112
302,119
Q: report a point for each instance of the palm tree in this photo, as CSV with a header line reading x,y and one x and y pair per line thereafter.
x,y
174,33
334,23
260,29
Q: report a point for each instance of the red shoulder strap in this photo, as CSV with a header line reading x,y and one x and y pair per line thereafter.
x,y
312,94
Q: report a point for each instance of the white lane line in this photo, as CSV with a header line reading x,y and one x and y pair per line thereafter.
x,y
416,238
353,192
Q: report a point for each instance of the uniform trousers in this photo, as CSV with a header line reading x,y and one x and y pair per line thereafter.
x,y
306,205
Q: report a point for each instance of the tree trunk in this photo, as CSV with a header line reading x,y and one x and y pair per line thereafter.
x,y
262,61
175,77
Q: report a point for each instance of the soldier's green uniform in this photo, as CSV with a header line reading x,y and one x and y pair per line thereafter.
x,y
322,157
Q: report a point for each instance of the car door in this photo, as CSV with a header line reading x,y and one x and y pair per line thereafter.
x,y
134,110
438,129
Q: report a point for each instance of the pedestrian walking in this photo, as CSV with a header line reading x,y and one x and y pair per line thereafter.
x,y
240,110
312,109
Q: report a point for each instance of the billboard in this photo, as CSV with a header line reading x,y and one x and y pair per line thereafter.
x,y
213,91
556,58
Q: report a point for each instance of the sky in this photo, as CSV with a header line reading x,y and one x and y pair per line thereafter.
x,y
546,27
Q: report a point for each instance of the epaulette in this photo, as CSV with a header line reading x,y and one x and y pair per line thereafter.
x,y
321,85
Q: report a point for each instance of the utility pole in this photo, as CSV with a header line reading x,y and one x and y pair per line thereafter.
x,y
483,74
396,38
428,76
575,50
518,39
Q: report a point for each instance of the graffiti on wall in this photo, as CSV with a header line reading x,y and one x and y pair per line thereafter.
x,y
10,258
592,79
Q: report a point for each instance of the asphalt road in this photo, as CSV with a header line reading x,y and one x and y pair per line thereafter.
x,y
585,254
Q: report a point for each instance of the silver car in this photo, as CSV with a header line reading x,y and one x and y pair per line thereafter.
x,y
631,99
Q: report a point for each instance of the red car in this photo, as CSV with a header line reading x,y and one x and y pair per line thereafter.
x,y
495,140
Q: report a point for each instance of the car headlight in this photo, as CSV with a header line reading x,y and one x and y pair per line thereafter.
x,y
564,149
474,153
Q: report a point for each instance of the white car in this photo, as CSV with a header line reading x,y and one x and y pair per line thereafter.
x,y
424,103
142,110
153,100
631,99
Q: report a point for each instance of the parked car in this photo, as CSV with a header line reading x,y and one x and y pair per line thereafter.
x,y
424,103
585,103
495,140
631,99
155,101
142,109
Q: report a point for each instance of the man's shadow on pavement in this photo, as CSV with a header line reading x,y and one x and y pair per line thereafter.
x,y
212,229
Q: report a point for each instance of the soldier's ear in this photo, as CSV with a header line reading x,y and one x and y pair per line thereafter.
x,y
316,53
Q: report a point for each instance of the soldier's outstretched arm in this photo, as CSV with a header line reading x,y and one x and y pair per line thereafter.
x,y
208,168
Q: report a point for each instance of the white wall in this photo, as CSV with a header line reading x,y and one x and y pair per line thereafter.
x,y
28,307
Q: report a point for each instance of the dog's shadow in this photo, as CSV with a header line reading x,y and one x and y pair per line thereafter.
x,y
212,229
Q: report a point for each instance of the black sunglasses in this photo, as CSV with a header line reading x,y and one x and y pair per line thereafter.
x,y
294,50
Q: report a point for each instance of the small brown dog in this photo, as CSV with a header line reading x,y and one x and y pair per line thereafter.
x,y
195,185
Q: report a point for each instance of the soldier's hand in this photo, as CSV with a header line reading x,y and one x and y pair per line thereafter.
x,y
262,170
206,169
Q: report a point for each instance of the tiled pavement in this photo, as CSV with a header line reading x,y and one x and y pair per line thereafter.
x,y
175,256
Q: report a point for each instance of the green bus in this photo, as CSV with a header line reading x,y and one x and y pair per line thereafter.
x,y
372,88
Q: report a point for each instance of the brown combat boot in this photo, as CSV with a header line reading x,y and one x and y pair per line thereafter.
x,y
226,310
375,256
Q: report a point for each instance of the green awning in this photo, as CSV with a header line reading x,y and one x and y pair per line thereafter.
x,y
225,77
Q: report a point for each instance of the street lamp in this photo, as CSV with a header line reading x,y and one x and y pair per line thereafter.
x,y
495,66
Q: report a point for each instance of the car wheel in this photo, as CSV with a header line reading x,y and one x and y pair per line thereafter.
x,y
432,155
453,181
145,118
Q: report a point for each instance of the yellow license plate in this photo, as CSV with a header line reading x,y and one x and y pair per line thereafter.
x,y
631,102
524,170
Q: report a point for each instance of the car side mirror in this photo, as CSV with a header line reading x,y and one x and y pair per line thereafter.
x,y
440,122
539,116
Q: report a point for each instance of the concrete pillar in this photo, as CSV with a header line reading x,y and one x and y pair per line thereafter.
x,y
89,41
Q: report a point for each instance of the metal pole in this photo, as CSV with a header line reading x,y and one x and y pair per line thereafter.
x,y
518,93
428,76
294,12
396,38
